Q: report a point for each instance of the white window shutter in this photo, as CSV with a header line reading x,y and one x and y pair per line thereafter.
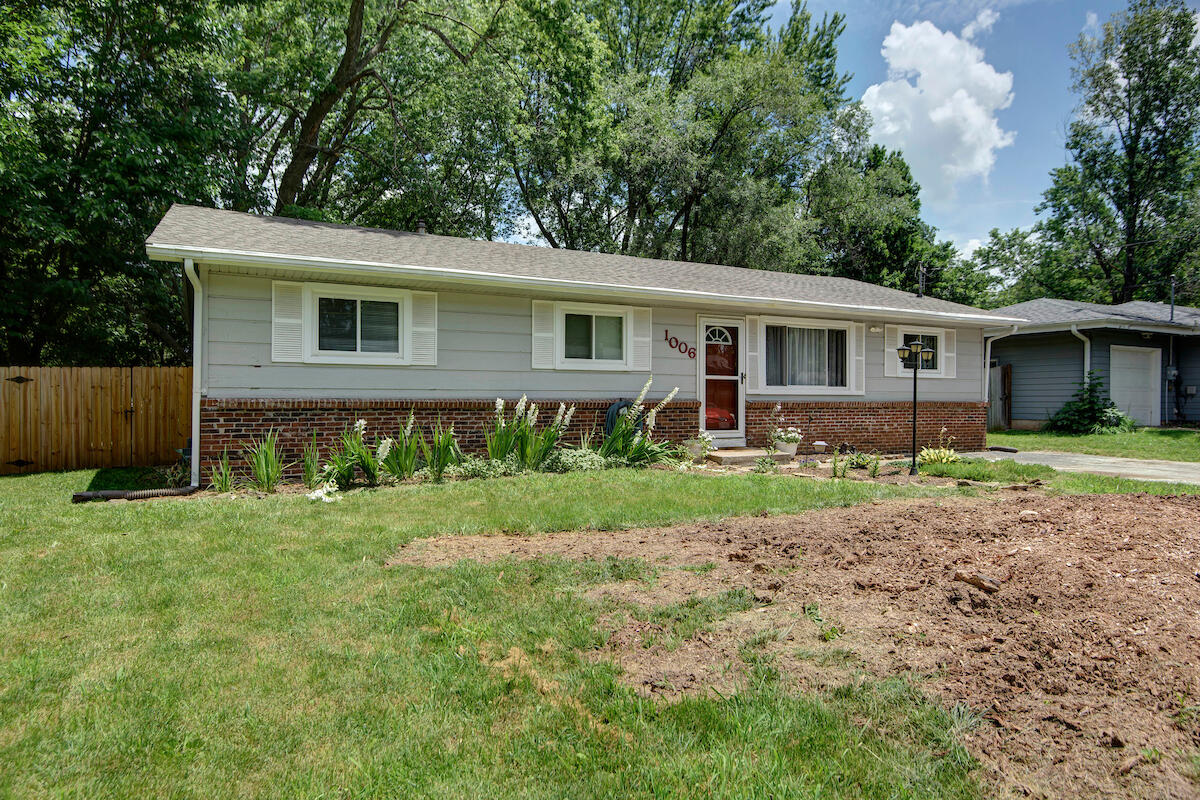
x,y
424,328
287,321
858,375
752,369
543,334
639,341
949,353
891,361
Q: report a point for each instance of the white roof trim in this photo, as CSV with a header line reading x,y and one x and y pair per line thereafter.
x,y
1118,323
169,252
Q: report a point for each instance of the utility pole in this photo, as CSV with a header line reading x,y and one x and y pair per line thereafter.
x,y
1172,297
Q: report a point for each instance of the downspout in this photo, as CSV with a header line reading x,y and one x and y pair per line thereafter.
x,y
1087,351
987,361
189,269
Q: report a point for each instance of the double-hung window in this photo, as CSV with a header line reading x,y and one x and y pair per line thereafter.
x,y
929,341
942,342
806,356
354,325
593,337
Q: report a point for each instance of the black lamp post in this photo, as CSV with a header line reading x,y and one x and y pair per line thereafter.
x,y
923,356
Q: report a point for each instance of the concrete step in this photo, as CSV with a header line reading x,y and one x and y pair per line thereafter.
x,y
730,456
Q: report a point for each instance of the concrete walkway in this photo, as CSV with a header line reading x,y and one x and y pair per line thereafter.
x,y
1138,468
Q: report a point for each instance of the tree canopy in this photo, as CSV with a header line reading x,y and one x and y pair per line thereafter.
x,y
684,129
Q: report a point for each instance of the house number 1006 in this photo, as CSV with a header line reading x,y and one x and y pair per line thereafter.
x,y
674,343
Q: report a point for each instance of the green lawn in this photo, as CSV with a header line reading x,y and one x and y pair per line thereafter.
x,y
1168,445
221,648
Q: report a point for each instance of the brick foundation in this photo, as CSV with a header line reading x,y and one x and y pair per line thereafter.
x,y
228,423
869,426
881,427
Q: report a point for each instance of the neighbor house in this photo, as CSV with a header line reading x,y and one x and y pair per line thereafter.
x,y
1146,356
305,327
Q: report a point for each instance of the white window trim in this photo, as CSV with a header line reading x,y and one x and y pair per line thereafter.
x,y
561,362
314,355
794,322
940,333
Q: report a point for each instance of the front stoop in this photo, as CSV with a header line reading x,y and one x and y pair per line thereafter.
x,y
733,456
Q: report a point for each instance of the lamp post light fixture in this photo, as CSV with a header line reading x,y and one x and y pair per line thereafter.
x,y
923,358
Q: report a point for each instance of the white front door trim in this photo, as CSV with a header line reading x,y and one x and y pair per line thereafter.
x,y
730,438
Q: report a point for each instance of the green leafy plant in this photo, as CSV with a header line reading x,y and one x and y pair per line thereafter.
x,y
938,455
400,460
221,477
873,467
858,460
631,441
472,466
439,452
520,435
765,465
570,459
265,461
310,463
1089,411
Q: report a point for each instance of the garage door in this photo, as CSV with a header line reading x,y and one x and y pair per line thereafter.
x,y
1135,382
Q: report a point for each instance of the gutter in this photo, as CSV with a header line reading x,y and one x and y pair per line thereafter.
x,y
189,269
987,359
167,252
1087,351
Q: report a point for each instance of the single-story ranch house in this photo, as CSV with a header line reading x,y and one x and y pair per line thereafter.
x,y
306,327
1147,355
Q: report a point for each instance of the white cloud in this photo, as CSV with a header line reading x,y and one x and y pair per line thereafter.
x,y
968,250
1091,25
1196,38
939,106
982,23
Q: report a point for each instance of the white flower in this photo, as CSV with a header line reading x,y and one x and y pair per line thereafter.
x,y
520,409
385,447
408,428
360,427
641,398
650,419
567,419
499,407
558,418
532,416
326,493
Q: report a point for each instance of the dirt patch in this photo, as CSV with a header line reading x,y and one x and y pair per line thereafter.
x,y
1085,663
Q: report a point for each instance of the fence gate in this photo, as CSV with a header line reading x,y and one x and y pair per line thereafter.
x,y
54,418
1000,398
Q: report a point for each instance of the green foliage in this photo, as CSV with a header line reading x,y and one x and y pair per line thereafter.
x,y
976,469
1089,411
520,436
765,465
265,462
1120,219
937,455
631,441
860,460
310,463
400,460
873,467
570,459
439,452
472,466
221,477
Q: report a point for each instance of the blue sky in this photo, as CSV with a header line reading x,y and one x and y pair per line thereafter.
x,y
977,94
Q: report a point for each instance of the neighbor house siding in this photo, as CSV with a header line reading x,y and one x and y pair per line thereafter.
x,y
1187,353
484,351
1046,371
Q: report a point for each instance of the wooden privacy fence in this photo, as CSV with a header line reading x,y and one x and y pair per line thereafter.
x,y
54,418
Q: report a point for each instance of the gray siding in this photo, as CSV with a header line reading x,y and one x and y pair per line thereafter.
x,y
1187,350
1046,370
484,351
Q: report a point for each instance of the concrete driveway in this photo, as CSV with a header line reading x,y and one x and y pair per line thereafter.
x,y
1138,468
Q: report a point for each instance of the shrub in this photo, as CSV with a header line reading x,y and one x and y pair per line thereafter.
x,y
439,452
859,460
266,462
938,455
764,465
339,466
477,467
520,435
1088,411
631,440
400,460
574,460
221,477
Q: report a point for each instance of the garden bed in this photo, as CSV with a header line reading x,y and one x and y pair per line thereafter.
x,y
1082,665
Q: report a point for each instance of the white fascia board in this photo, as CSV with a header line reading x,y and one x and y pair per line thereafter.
x,y
1092,324
167,252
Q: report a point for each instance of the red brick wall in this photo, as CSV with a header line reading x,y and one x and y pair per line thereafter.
x,y
884,427
872,426
228,423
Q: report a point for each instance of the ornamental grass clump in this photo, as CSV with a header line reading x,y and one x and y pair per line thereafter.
x,y
631,441
310,464
440,452
266,462
399,460
221,477
520,436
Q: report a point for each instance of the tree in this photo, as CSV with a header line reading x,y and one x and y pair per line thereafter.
x,y
1122,216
